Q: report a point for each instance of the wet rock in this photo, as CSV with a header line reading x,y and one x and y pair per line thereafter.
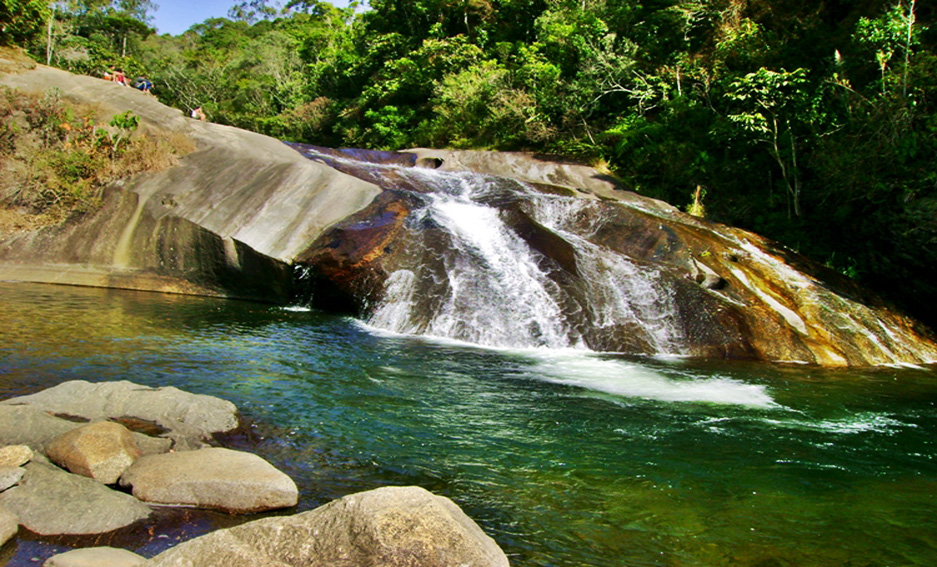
x,y
9,524
214,477
101,450
95,557
49,501
15,455
9,476
190,418
389,527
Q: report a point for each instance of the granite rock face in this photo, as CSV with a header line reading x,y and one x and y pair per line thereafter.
x,y
245,216
226,221
613,271
387,527
213,477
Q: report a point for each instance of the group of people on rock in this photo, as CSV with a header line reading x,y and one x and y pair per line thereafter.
x,y
141,83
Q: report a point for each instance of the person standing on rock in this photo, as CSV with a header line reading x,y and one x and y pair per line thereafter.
x,y
198,113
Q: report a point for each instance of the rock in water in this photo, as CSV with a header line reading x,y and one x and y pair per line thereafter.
x,y
188,417
387,527
95,557
214,477
49,501
101,450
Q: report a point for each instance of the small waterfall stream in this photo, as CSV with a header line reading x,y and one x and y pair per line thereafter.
x,y
499,290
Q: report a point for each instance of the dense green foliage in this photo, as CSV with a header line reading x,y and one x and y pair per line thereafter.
x,y
814,123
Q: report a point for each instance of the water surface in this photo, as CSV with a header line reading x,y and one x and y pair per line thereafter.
x,y
565,458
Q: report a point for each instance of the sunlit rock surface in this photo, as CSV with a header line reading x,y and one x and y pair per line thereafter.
x,y
226,221
498,249
389,527
627,274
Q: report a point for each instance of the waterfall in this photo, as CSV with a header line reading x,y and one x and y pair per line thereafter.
x,y
494,288
498,293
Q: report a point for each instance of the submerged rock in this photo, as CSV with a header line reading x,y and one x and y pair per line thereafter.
x,y
101,451
49,501
95,557
387,527
215,478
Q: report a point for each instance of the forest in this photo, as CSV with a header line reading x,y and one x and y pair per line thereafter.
x,y
812,123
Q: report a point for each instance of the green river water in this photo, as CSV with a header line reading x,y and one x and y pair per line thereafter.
x,y
566,458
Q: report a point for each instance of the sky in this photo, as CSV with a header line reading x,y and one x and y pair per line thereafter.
x,y
176,16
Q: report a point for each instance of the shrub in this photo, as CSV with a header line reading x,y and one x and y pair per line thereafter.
x,y
55,160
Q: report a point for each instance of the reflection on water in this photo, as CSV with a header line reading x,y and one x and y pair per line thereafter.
x,y
566,459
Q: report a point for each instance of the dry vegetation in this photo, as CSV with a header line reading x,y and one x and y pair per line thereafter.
x,y
55,160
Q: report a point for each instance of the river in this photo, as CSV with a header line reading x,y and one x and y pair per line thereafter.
x,y
567,458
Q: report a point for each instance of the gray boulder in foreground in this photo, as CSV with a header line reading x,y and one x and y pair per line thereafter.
x,y
9,476
386,527
50,501
102,450
188,417
95,557
214,477
9,525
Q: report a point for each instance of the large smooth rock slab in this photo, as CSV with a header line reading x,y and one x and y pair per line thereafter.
x,y
25,425
102,450
9,476
9,525
387,527
15,455
188,417
49,501
226,220
214,477
35,428
95,557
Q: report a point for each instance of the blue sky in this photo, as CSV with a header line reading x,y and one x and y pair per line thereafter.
x,y
176,16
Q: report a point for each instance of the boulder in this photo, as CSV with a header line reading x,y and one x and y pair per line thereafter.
x,y
102,450
214,477
189,418
9,525
15,455
9,476
30,426
35,428
387,527
95,557
49,501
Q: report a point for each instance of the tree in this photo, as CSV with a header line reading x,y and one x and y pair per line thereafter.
x,y
22,20
773,106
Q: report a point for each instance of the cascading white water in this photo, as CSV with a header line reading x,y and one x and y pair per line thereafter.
x,y
499,292
621,290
